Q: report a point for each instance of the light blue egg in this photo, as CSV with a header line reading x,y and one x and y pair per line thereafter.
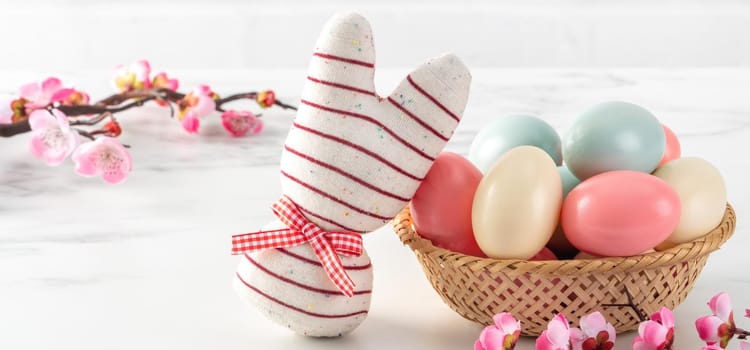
x,y
508,132
569,181
614,136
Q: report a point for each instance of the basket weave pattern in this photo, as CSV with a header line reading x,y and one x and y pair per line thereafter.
x,y
533,291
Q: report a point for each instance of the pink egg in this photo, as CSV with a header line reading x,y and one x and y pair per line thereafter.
x,y
620,213
544,254
441,207
672,150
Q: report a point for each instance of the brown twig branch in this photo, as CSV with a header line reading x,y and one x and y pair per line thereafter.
x,y
642,316
117,103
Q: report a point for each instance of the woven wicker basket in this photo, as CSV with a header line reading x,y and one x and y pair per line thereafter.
x,y
533,291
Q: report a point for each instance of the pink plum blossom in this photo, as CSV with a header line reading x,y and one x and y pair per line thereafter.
x,y
503,335
747,313
710,328
190,122
76,97
717,327
52,140
239,123
200,100
711,347
595,333
721,306
162,81
105,157
133,77
39,95
652,335
556,336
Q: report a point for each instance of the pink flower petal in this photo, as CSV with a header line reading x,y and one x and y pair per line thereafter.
x,y
123,153
492,338
611,332
205,106
639,344
744,345
114,177
54,157
478,345
721,305
653,333
577,338
51,85
85,164
190,122
61,95
664,316
506,322
543,342
142,70
593,323
61,119
711,347
747,313
37,146
41,119
559,330
30,91
708,328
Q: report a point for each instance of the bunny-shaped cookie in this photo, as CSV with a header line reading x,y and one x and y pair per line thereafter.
x,y
351,162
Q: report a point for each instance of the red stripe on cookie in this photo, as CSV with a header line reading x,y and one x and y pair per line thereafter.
x,y
429,97
332,197
345,174
300,285
292,307
372,121
344,59
358,148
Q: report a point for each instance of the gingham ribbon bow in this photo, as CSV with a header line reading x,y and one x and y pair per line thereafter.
x,y
326,245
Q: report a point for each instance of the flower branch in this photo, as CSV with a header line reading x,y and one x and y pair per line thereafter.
x,y
64,124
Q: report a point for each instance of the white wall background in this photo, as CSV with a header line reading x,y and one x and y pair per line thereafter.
x,y
48,35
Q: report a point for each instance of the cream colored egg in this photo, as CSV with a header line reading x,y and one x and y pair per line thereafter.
x,y
517,204
703,198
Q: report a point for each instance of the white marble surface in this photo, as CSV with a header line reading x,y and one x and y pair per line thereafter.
x,y
146,265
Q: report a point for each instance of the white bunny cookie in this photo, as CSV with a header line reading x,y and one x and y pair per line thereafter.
x,y
351,162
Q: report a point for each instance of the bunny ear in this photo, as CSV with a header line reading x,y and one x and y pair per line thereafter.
x,y
353,160
344,54
433,97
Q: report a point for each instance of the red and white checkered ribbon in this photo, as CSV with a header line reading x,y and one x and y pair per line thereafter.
x,y
326,245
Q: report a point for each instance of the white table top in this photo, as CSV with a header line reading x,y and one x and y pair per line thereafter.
x,y
146,264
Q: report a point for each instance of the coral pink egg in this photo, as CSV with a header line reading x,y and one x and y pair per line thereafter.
x,y
620,213
672,150
441,207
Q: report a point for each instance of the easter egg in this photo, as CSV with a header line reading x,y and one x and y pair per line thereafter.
x,y
544,254
703,198
505,133
672,147
558,243
441,207
613,136
517,204
620,213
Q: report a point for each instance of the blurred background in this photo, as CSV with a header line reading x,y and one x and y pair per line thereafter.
x,y
47,35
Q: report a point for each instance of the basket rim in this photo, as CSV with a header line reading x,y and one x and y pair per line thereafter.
x,y
697,248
